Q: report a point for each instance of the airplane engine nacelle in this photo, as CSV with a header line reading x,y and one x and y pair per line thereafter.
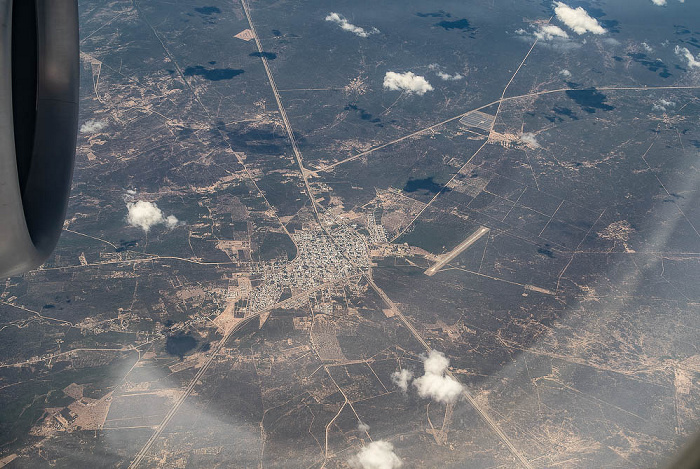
x,y
39,81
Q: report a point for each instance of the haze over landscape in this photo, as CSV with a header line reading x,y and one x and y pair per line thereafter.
x,y
369,235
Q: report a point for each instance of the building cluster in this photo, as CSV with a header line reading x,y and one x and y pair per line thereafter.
x,y
377,233
322,257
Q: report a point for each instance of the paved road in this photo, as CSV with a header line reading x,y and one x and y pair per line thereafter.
x,y
214,352
283,113
482,412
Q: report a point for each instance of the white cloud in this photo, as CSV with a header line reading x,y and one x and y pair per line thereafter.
x,y
171,221
445,76
435,384
548,32
448,77
439,388
363,427
662,3
91,126
409,82
662,105
347,26
565,73
401,379
550,36
530,140
376,455
577,19
647,47
435,363
143,214
685,53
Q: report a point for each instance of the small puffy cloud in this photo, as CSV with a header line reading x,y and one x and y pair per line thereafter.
x,y
439,388
577,19
143,214
662,3
435,363
376,455
530,139
445,76
363,427
347,26
435,384
683,52
91,126
448,77
401,379
408,82
647,47
662,105
171,221
549,35
565,73
547,32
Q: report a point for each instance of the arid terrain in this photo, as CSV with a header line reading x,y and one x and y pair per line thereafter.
x,y
371,235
